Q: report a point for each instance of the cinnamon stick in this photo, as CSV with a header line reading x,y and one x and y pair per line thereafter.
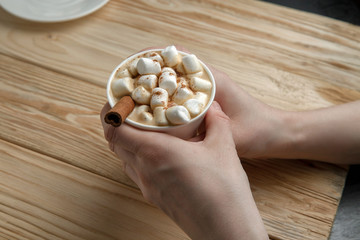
x,y
117,115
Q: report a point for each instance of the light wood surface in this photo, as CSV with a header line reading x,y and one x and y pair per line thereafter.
x,y
58,180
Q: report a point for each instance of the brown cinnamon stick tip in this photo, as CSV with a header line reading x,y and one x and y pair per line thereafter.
x,y
117,115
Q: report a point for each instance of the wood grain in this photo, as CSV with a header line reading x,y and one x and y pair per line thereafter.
x,y
56,115
42,198
54,126
52,88
282,57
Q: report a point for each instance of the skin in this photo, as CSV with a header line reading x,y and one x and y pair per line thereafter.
x,y
330,134
200,183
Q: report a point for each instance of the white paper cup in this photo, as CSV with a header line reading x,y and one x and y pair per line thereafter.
x,y
184,131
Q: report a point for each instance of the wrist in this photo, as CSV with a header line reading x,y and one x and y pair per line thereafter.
x,y
286,136
277,136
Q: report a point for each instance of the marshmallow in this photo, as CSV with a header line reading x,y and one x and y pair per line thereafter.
x,y
159,98
194,107
137,111
149,82
122,74
160,116
122,86
201,97
141,114
132,67
148,66
141,95
167,81
199,84
142,108
191,64
178,115
171,56
182,94
182,82
146,117
180,68
168,69
155,57
198,74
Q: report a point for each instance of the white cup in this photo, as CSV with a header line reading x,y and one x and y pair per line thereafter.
x,y
184,131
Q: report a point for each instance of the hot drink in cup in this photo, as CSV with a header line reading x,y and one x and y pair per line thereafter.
x,y
172,90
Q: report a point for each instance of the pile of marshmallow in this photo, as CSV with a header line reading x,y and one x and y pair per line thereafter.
x,y
169,89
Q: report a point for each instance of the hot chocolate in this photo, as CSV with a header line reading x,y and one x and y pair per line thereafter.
x,y
169,87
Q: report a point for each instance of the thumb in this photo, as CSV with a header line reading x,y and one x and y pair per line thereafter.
x,y
217,125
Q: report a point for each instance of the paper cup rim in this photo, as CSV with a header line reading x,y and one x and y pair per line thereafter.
x,y
159,128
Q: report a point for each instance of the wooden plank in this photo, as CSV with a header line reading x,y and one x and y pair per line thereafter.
x,y
55,115
42,198
297,199
54,76
293,196
283,57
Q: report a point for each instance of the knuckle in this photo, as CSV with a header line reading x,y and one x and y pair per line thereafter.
x,y
151,155
146,151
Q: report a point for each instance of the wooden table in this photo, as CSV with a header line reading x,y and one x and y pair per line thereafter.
x,y
58,178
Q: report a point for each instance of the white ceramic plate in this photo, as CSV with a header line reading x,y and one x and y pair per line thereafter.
x,y
51,10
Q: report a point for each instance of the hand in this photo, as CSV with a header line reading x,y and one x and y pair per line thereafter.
x,y
201,185
255,126
261,131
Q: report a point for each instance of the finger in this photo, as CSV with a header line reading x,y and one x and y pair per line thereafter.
x,y
124,155
217,126
108,129
197,138
201,129
227,90
129,170
128,137
133,139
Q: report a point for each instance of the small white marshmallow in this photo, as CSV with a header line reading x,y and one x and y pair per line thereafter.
x,y
132,67
167,81
191,64
149,82
194,106
182,82
182,94
199,84
122,86
146,118
168,69
141,95
171,56
198,74
134,115
148,66
201,97
122,73
160,116
142,108
178,115
159,98
180,68
155,57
